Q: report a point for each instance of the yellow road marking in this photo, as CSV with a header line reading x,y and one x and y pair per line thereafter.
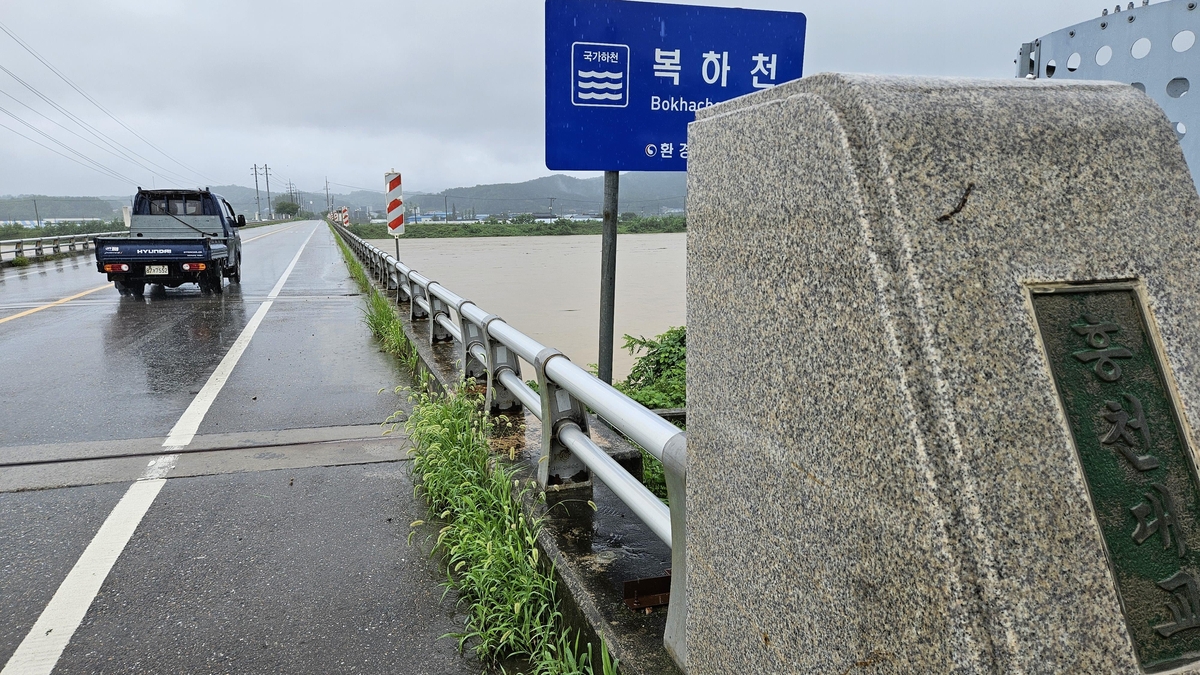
x,y
100,288
55,303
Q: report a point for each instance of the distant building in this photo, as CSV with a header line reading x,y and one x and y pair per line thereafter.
x,y
51,221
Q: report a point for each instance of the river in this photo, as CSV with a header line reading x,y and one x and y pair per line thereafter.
x,y
549,287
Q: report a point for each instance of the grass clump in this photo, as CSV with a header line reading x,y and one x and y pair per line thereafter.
x,y
380,314
20,261
658,380
489,544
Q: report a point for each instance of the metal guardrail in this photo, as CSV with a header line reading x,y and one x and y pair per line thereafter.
x,y
491,352
19,248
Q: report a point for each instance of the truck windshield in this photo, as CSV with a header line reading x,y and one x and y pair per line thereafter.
x,y
179,204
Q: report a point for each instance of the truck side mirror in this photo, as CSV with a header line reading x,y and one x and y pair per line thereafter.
x,y
241,221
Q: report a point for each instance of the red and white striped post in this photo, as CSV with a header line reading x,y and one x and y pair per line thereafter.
x,y
395,207
345,216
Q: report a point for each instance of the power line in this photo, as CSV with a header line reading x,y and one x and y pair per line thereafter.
x,y
353,187
67,148
94,102
5,126
64,127
95,132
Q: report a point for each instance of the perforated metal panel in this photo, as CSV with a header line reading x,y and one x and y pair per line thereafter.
x,y
1152,47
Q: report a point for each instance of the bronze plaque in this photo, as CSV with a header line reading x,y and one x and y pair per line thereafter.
x,y
1128,434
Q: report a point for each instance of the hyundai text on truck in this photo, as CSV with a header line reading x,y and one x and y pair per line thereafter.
x,y
175,237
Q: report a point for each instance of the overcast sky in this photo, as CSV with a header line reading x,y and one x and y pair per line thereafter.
x,y
448,91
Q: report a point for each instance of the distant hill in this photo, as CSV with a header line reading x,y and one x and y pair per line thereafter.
x,y
21,208
643,193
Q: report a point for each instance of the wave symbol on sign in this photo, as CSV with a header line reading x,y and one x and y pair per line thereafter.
x,y
585,82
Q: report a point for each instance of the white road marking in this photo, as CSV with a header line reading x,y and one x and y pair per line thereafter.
x,y
160,467
39,652
185,429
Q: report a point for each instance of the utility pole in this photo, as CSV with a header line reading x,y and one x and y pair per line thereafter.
x,y
551,204
328,206
446,207
270,206
35,214
257,198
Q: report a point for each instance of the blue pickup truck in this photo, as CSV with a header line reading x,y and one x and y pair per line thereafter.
x,y
175,237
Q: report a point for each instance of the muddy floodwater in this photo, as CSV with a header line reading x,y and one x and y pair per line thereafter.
x,y
549,287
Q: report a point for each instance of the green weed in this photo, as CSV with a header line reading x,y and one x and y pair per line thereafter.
x,y
658,380
20,261
488,544
659,377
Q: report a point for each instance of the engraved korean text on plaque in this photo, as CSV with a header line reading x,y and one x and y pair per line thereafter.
x,y
1139,470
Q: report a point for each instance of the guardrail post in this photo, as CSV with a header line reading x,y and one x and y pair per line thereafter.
x,y
675,470
415,311
403,284
37,248
57,245
393,277
472,335
437,332
19,250
500,358
558,466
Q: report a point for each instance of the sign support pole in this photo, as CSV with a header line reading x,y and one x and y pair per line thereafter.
x,y
608,275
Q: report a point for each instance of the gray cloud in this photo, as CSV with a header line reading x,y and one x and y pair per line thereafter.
x,y
448,92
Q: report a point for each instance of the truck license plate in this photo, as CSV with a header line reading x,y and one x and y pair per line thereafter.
x,y
156,269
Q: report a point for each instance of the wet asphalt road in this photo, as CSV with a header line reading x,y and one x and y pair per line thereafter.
x,y
278,540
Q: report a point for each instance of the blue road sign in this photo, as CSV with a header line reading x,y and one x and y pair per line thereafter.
x,y
624,79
